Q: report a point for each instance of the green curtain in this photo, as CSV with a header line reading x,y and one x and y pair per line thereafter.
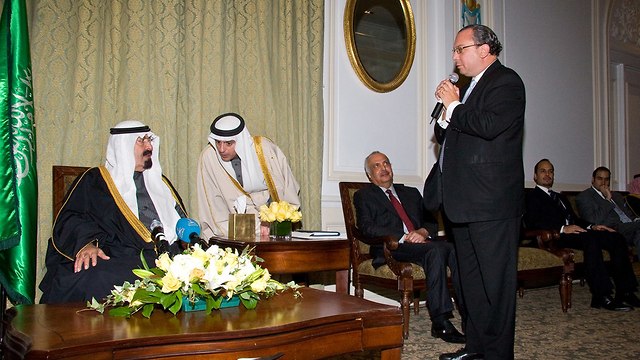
x,y
176,65
18,178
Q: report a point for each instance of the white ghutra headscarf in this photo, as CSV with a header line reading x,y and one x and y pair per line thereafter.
x,y
230,126
121,165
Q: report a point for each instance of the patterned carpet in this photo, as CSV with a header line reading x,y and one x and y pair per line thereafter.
x,y
543,331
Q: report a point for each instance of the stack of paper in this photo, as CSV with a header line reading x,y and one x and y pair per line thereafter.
x,y
318,235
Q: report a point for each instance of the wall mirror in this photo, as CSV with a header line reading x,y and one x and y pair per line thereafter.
x,y
380,36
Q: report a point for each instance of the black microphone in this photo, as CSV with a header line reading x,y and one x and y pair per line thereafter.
x,y
437,110
157,234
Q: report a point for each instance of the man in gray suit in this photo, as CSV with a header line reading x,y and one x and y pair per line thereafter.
x,y
599,205
377,215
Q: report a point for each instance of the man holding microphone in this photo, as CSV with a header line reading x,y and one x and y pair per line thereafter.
x,y
479,180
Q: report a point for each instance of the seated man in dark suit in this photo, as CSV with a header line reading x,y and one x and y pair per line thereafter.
x,y
598,204
377,215
546,209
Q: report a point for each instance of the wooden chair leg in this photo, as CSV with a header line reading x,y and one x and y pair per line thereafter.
x,y
406,300
569,289
359,290
564,292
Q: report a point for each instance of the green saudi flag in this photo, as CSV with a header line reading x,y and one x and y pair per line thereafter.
x,y
18,178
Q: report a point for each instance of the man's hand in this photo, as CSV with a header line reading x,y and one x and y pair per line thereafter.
x,y
602,228
417,236
447,92
573,229
605,190
88,255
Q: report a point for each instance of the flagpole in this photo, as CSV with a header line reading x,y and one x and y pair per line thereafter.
x,y
3,298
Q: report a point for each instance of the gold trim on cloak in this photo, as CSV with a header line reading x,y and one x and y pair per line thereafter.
x,y
273,192
257,140
133,220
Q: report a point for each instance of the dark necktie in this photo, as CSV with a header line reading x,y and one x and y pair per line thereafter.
x,y
146,210
556,198
236,163
400,210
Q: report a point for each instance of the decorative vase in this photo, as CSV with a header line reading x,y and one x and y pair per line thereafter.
x,y
280,229
200,304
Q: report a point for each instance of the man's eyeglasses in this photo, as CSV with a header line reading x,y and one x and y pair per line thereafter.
x,y
458,49
146,139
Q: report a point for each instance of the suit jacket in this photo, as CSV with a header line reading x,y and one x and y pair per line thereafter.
x,y
542,212
482,175
375,216
596,209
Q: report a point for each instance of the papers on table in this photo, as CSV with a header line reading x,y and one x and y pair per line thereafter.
x,y
318,235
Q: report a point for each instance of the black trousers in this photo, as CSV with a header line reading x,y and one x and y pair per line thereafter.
x,y
434,257
487,257
592,243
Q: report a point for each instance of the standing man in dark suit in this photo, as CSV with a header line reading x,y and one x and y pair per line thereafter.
x,y
376,215
479,178
546,209
599,205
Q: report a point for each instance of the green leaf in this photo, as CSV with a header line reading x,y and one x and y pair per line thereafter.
x,y
177,305
216,301
198,289
250,303
143,260
143,274
147,309
166,300
122,311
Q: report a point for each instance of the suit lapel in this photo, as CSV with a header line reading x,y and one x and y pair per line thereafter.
x,y
382,198
481,84
407,205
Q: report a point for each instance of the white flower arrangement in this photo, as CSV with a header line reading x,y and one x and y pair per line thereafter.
x,y
280,211
211,275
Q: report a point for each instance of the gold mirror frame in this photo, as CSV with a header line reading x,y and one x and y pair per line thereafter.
x,y
354,56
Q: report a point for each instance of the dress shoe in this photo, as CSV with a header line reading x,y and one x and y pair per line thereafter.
x,y
447,332
461,354
606,302
628,299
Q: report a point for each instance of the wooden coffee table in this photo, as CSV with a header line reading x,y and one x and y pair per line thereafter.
x,y
294,255
317,325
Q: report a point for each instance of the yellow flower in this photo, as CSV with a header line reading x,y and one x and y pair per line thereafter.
x,y
170,283
196,274
200,254
279,211
163,262
260,285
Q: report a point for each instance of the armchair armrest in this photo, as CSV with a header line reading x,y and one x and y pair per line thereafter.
x,y
545,238
388,241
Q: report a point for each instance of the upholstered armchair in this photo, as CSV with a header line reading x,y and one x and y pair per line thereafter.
x,y
407,278
63,177
542,263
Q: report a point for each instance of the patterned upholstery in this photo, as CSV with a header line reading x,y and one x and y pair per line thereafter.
x,y
534,258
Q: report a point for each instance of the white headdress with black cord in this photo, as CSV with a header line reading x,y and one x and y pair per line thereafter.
x,y
230,126
121,165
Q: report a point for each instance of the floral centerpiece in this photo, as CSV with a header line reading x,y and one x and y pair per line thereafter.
x,y
213,275
281,215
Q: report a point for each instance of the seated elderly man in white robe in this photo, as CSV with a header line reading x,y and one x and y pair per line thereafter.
x,y
236,168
